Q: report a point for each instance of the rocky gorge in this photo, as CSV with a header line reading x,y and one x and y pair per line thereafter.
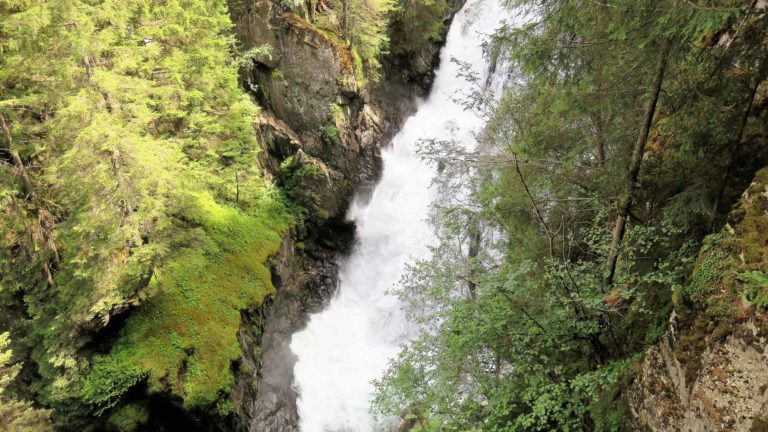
x,y
321,132
367,215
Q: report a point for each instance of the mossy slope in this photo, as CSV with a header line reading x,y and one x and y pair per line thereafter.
x,y
183,340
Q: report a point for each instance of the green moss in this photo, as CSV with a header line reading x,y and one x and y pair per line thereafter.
x,y
704,303
330,134
733,262
750,221
730,269
323,213
751,247
184,338
291,175
277,74
359,69
305,185
337,114
712,272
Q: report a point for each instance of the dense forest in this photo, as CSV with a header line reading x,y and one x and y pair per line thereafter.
x,y
602,201
136,221
157,158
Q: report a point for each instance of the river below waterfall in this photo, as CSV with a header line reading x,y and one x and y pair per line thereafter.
x,y
346,346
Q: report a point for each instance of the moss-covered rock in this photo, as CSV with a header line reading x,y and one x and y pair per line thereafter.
x,y
321,192
710,370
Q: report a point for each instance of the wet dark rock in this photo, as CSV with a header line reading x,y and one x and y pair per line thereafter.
x,y
416,63
307,282
321,135
322,191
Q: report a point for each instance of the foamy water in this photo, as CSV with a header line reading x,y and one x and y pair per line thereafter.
x,y
349,344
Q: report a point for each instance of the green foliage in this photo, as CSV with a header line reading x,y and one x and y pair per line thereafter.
x,y
359,68
337,114
416,23
247,59
184,338
521,330
710,274
756,288
129,185
108,381
17,415
129,418
330,134
364,24
300,177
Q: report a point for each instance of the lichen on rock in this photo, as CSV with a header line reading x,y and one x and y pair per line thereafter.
x,y
709,372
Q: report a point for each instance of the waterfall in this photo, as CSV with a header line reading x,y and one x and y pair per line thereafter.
x,y
346,346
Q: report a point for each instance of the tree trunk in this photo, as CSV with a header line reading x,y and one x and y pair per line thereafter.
x,y
26,184
635,163
237,188
732,155
597,121
344,20
475,240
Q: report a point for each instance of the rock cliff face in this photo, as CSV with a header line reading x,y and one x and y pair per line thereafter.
x,y
727,393
321,131
709,372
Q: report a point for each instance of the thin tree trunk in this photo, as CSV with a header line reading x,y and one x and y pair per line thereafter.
x,y
26,185
731,156
344,20
536,210
634,166
474,251
518,170
237,188
599,141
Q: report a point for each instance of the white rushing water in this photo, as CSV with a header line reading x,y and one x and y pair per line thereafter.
x,y
350,344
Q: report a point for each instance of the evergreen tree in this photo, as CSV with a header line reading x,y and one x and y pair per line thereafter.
x,y
364,24
609,155
17,415
128,177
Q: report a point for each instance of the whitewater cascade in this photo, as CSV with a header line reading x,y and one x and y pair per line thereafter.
x,y
346,346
